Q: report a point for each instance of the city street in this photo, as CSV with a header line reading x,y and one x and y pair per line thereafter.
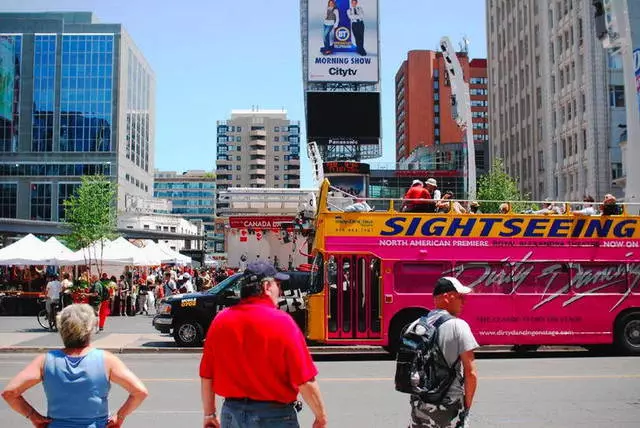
x,y
532,392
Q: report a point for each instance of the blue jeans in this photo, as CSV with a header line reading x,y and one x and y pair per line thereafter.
x,y
327,36
258,415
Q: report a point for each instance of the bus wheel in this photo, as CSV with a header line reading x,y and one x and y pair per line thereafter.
x,y
628,333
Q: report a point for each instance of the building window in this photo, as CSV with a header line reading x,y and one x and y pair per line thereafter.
x,y
65,191
616,96
276,139
238,139
8,200
238,168
44,77
276,148
238,158
41,201
276,167
87,97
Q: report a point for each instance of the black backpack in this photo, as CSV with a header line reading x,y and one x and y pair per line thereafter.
x,y
421,368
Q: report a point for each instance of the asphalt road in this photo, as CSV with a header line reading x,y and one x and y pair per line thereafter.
x,y
574,391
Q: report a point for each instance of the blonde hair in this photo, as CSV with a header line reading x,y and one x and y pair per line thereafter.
x,y
75,324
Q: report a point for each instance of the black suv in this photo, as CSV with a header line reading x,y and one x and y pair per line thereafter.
x,y
189,315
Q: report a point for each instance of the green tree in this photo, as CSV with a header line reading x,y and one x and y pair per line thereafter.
x,y
497,186
91,215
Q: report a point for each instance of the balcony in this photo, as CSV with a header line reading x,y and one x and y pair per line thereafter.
x,y
260,181
258,171
257,151
258,142
258,133
223,178
222,129
223,160
260,162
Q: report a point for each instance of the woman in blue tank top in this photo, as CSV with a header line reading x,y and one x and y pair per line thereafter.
x,y
76,379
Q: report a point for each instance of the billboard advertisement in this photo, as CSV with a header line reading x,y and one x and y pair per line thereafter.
x,y
343,40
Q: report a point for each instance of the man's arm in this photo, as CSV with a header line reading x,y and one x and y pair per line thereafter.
x,y
311,394
470,377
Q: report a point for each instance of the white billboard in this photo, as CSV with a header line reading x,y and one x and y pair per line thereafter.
x,y
343,40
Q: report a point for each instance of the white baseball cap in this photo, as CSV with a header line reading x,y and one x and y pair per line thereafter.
x,y
433,182
416,182
447,284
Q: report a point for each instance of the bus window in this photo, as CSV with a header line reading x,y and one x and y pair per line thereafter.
x,y
415,277
485,277
374,271
598,278
345,283
542,278
361,293
332,281
316,278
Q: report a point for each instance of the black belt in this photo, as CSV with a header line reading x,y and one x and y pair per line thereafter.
x,y
297,405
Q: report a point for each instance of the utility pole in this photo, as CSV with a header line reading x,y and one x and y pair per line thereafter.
x,y
461,107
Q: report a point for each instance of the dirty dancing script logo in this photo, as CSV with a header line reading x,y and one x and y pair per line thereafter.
x,y
551,280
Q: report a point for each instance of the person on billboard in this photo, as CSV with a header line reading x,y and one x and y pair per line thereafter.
x,y
331,22
356,15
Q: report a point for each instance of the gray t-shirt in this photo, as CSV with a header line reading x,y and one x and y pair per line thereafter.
x,y
454,337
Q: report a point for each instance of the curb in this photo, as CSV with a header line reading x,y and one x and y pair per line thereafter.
x,y
315,350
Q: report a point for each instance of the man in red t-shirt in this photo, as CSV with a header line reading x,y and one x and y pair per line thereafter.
x,y
418,191
255,356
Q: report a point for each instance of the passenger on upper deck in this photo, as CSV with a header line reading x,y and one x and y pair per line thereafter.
x,y
474,208
549,208
444,205
609,205
587,208
418,191
432,186
505,208
358,205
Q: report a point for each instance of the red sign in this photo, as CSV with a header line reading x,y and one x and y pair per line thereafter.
x,y
426,173
262,222
243,235
259,235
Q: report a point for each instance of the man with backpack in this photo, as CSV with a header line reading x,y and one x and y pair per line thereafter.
x,y
436,364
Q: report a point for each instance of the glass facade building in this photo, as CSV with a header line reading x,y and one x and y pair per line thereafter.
x,y
192,195
61,113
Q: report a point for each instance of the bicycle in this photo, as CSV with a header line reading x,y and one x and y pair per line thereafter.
x,y
48,322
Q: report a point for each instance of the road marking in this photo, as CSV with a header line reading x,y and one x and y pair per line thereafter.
x,y
388,379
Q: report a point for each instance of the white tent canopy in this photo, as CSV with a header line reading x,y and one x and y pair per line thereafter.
x,y
27,251
101,251
178,258
139,255
58,251
155,251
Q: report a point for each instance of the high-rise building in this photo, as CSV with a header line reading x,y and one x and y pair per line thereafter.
x,y
192,195
257,148
427,135
556,99
76,98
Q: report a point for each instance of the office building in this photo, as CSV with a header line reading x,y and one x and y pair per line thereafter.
x,y
192,195
76,98
257,149
427,135
556,102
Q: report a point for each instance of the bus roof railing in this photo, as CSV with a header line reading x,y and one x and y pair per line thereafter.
x,y
340,201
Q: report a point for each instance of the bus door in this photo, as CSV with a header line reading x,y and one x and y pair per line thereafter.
x,y
354,298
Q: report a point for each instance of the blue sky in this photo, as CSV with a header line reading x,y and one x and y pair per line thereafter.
x,y
210,57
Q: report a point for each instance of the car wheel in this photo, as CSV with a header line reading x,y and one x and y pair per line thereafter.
x,y
188,334
628,333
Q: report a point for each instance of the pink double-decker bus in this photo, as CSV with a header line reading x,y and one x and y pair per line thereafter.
x,y
538,279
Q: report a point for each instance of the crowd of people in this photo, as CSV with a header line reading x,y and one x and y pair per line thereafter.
x,y
134,292
424,197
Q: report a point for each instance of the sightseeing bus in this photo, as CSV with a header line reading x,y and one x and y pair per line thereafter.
x,y
537,279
